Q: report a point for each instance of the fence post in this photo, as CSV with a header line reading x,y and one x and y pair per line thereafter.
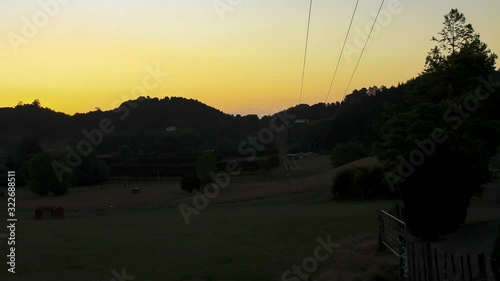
x,y
411,261
428,261
482,267
436,263
495,267
495,263
453,266
469,267
403,258
445,266
380,230
462,267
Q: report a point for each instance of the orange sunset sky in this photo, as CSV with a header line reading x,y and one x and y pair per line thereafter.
x,y
246,59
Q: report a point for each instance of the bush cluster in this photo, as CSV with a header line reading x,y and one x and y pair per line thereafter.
x,y
360,183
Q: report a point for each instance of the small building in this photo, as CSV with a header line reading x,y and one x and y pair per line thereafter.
x,y
295,156
49,213
301,121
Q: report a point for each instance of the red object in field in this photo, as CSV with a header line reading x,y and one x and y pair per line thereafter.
x,y
49,213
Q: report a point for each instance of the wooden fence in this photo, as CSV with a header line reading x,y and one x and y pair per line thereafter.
x,y
495,267
427,263
419,261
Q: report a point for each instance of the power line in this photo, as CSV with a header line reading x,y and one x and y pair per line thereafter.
x,y
342,51
359,59
362,51
305,51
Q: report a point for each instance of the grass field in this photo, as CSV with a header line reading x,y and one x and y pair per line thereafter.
x,y
252,241
313,173
238,237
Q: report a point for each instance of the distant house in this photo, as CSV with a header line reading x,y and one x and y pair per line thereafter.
x,y
49,213
106,156
301,121
171,129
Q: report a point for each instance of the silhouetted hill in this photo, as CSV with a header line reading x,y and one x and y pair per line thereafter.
x,y
31,120
154,114
141,124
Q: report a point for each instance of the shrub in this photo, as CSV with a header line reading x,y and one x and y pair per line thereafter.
x,y
190,182
90,171
344,153
343,183
360,183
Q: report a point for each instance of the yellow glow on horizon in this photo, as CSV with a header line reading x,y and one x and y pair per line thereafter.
x,y
249,63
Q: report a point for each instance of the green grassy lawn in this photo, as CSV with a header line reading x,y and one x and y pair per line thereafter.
x,y
310,165
251,231
245,241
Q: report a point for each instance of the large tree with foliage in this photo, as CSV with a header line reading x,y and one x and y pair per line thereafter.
x,y
205,165
28,147
456,37
43,178
91,170
437,147
453,65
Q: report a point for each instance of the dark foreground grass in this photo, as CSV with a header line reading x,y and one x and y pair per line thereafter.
x,y
226,242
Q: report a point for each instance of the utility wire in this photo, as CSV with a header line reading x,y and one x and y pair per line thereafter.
x,y
362,51
359,59
305,51
342,51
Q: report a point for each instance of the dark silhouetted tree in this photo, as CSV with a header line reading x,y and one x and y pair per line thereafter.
x,y
91,170
43,179
434,149
458,58
190,183
206,164
28,147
